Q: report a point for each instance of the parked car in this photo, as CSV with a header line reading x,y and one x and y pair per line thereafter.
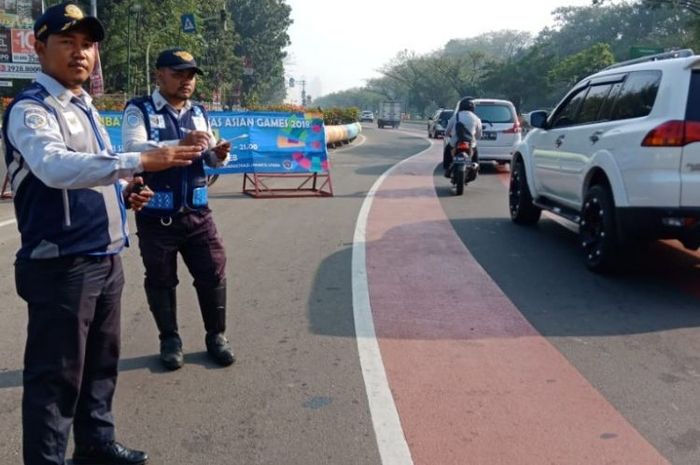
x,y
438,122
619,156
501,130
367,117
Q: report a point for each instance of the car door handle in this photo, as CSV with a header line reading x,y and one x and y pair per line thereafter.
x,y
559,141
595,137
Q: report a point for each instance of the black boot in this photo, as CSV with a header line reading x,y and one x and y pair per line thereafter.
x,y
212,303
163,304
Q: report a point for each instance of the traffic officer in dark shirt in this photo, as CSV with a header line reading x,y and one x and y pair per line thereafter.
x,y
70,208
178,218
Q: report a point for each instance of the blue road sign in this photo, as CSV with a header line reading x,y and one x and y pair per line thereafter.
x,y
188,24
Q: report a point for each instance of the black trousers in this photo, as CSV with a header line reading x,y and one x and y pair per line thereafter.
x,y
72,352
194,235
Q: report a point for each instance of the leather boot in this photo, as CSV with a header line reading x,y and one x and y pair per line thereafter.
x,y
212,303
163,304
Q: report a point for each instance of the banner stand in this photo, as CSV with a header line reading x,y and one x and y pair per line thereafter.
x,y
305,185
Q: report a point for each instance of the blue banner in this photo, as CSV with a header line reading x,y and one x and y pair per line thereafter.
x,y
261,142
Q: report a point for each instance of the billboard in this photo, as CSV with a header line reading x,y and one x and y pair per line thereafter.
x,y
17,57
261,142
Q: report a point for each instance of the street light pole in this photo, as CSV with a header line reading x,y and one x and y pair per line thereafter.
x,y
128,52
132,7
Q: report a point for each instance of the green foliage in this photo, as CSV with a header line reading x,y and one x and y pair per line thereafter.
x,y
576,67
531,72
110,102
333,116
365,99
138,30
262,26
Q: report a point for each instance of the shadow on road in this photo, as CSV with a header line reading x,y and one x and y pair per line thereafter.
x,y
540,270
13,378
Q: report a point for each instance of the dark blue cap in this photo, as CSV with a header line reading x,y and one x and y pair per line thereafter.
x,y
66,17
177,58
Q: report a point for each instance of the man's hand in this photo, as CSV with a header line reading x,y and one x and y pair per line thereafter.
x,y
222,150
168,157
137,194
198,138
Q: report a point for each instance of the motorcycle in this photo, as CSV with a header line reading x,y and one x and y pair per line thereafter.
x,y
463,169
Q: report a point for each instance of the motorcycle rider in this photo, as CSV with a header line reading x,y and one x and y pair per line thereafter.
x,y
464,113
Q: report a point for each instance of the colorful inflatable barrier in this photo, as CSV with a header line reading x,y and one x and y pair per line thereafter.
x,y
342,134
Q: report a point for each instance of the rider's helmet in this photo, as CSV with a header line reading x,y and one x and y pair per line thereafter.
x,y
466,104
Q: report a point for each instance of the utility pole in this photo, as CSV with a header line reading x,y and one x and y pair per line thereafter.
x,y
293,81
93,8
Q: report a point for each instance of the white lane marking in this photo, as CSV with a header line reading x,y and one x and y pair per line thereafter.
x,y
391,441
8,222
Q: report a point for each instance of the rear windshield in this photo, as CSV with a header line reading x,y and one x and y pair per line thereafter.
x,y
446,115
494,113
692,112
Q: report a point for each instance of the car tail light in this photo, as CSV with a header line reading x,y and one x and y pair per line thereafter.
x,y
675,133
463,146
515,129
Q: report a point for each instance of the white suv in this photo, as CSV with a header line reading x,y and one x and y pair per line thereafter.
x,y
619,156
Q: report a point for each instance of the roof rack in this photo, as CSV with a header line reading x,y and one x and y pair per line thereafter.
x,y
686,52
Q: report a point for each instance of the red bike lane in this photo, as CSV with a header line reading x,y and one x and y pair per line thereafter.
x,y
472,380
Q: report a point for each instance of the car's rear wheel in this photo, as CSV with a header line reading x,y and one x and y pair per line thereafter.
x,y
598,230
522,209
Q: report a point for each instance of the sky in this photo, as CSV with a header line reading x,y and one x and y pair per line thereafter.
x,y
338,45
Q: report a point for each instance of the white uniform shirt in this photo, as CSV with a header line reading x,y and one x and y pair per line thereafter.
x,y
135,137
35,132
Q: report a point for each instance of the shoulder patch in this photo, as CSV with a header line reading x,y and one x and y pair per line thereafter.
x,y
134,118
35,118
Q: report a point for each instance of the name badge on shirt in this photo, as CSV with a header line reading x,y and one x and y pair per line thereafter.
x,y
199,123
157,121
74,124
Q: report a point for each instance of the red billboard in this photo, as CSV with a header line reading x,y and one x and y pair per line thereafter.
x,y
23,46
17,57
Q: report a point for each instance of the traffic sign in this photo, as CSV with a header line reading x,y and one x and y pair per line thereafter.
x,y
638,52
188,24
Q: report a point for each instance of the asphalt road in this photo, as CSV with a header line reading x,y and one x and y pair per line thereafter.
x,y
296,395
634,336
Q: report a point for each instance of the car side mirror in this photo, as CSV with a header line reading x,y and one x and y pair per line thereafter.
x,y
538,119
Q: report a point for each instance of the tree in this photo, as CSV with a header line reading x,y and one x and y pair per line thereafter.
x,y
135,27
358,98
577,66
262,26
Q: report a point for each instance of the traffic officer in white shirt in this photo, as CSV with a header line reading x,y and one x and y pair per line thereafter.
x,y
70,209
178,218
